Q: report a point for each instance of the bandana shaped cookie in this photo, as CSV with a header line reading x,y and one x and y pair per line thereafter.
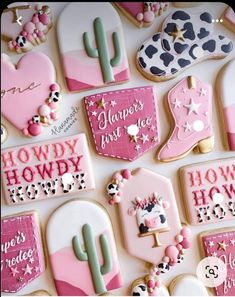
x,y
185,40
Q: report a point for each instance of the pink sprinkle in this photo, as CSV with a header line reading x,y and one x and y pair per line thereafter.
x,y
54,87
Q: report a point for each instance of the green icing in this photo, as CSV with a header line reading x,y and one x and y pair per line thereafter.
x,y
90,254
102,52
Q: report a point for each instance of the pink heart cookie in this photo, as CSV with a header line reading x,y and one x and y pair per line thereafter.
x,y
124,123
29,94
22,251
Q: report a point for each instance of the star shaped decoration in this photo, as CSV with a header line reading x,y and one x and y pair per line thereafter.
x,y
144,138
101,103
94,113
36,269
27,269
232,242
31,260
133,138
214,254
90,103
151,128
192,106
137,147
154,139
222,245
202,92
14,271
211,243
113,103
187,127
20,279
178,33
176,103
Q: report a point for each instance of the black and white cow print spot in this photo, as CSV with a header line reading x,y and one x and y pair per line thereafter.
x,y
112,189
54,96
170,27
156,37
142,63
166,44
166,58
150,51
189,33
206,17
143,228
180,259
21,40
179,47
209,46
156,71
203,33
80,178
227,48
180,15
163,267
32,191
231,207
49,187
183,62
219,211
139,290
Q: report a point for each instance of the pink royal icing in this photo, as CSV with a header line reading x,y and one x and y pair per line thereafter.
x,y
46,169
22,252
221,244
124,123
209,191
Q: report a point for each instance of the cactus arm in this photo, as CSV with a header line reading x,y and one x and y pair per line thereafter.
x,y
107,266
91,52
79,253
117,49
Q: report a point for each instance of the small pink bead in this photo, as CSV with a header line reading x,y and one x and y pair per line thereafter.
x,y
44,110
179,247
53,116
117,176
151,283
17,47
186,243
149,16
165,204
53,105
34,129
166,259
116,199
158,283
54,87
25,131
40,33
126,173
179,238
185,232
140,17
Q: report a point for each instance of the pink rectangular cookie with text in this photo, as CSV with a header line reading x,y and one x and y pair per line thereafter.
x,y
124,123
46,169
220,243
22,258
209,191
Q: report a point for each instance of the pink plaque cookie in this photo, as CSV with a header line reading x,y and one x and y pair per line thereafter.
x,y
21,250
124,123
142,14
190,103
82,250
92,46
209,191
46,169
221,243
25,25
30,96
149,217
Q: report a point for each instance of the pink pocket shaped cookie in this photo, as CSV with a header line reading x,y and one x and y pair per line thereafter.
x,y
124,123
22,258
25,25
30,96
209,191
92,46
46,169
149,217
82,250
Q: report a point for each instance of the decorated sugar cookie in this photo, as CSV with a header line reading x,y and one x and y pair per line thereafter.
x,y
124,123
228,17
93,54
4,134
30,96
209,191
225,91
82,249
220,243
190,103
184,40
25,25
22,258
148,213
47,169
142,14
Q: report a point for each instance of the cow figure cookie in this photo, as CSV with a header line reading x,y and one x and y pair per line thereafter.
x,y
46,169
142,14
92,46
185,39
190,103
22,259
25,25
82,250
30,96
149,218
124,123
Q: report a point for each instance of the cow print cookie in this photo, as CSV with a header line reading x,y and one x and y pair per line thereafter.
x,y
142,14
209,191
93,53
25,25
184,40
30,96
124,123
46,169
82,250
220,243
149,217
22,259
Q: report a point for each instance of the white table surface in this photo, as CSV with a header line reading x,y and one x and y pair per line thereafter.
x,y
131,268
